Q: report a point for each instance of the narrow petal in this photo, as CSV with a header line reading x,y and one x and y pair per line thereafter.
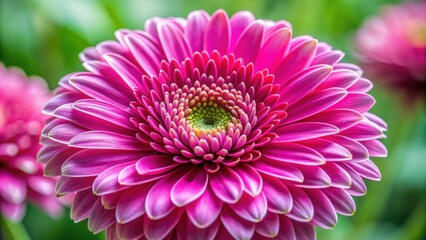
x,y
324,213
197,210
250,208
341,200
174,43
159,229
82,205
277,194
190,187
66,185
132,204
145,52
105,140
194,30
274,48
366,169
227,185
293,153
107,181
155,164
314,177
338,176
359,102
100,218
239,23
341,118
286,229
236,226
303,209
304,130
375,148
331,151
252,180
278,169
128,72
218,33
130,230
304,230
357,150
270,226
248,44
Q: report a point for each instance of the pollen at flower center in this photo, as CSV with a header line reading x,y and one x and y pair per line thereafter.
x,y
209,117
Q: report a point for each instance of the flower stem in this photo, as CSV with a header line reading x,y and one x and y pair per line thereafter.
x,y
13,231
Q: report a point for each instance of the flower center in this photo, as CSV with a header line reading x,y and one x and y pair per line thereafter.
x,y
209,117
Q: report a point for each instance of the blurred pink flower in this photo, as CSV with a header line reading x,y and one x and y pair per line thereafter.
x,y
392,47
210,127
21,121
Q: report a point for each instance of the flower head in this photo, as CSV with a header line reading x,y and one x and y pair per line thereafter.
x,y
392,47
21,121
210,127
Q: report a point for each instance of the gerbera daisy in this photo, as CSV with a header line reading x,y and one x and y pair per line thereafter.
x,y
212,127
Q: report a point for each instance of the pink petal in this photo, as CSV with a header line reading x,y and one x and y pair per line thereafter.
x,y
315,103
340,78
132,204
304,82
100,218
239,22
130,230
358,187
364,130
359,102
357,150
339,177
190,187
107,181
186,230
278,169
314,177
270,226
375,148
236,226
174,43
197,210
330,58
194,29
63,133
248,44
274,48
98,139
82,205
250,208
331,151
128,176
303,209
296,61
227,185
277,194
158,229
341,200
304,130
218,33
66,185
304,230
92,162
252,180
293,153
341,118
286,229
145,52
324,214
155,164
128,72
366,169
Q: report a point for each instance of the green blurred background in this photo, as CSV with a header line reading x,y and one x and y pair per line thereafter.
x,y
44,37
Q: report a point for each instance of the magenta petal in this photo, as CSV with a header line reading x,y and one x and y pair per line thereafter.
x,y
227,185
331,151
194,30
339,78
158,229
358,187
173,41
273,49
250,208
252,180
158,203
239,21
304,230
130,230
125,69
218,33
190,187
145,52
82,205
131,204
205,210
155,164
375,148
360,102
67,185
277,194
357,150
339,177
187,230
296,61
128,176
286,229
304,130
93,162
248,45
341,200
324,213
314,177
100,218
270,226
64,133
236,226
105,140
278,169
303,209
107,181
364,130
293,153
341,118
366,169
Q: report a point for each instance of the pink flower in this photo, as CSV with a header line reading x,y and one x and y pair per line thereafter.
x,y
392,47
21,121
210,127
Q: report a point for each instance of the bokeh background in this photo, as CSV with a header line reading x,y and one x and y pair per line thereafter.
x,y
44,38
